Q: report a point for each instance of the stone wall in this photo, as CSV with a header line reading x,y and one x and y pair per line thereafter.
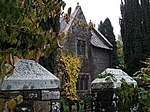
x,y
100,60
40,106
95,59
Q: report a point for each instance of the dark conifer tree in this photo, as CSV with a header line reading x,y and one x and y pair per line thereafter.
x,y
106,29
134,23
145,23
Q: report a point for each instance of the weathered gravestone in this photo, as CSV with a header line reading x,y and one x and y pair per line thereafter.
x,y
103,89
38,86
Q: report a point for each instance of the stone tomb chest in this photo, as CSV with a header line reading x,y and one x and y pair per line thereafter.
x,y
103,89
38,86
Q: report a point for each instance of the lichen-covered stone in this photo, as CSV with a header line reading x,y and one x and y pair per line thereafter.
x,y
114,81
29,75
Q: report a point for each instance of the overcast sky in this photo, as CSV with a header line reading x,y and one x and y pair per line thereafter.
x,y
97,10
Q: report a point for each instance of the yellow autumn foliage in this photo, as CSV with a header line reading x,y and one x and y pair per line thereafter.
x,y
1,105
11,104
69,68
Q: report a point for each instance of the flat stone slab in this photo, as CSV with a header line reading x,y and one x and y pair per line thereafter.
x,y
29,75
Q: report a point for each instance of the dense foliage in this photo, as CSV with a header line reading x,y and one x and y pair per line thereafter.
x,y
106,29
29,29
127,96
120,54
69,67
143,79
135,32
10,103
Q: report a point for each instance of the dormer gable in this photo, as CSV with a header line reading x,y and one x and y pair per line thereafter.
x,y
76,15
79,14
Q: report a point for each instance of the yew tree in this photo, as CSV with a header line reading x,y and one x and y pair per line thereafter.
x,y
106,29
135,33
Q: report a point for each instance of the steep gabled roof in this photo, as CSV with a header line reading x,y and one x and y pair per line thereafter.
x,y
65,26
98,40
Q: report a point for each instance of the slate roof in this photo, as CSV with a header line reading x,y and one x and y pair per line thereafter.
x,y
30,75
97,39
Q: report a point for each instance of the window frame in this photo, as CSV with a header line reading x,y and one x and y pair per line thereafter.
x,y
83,83
81,47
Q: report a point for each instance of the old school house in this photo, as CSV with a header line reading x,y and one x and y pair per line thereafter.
x,y
94,49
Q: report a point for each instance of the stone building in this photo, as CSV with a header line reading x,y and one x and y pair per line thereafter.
x,y
93,48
